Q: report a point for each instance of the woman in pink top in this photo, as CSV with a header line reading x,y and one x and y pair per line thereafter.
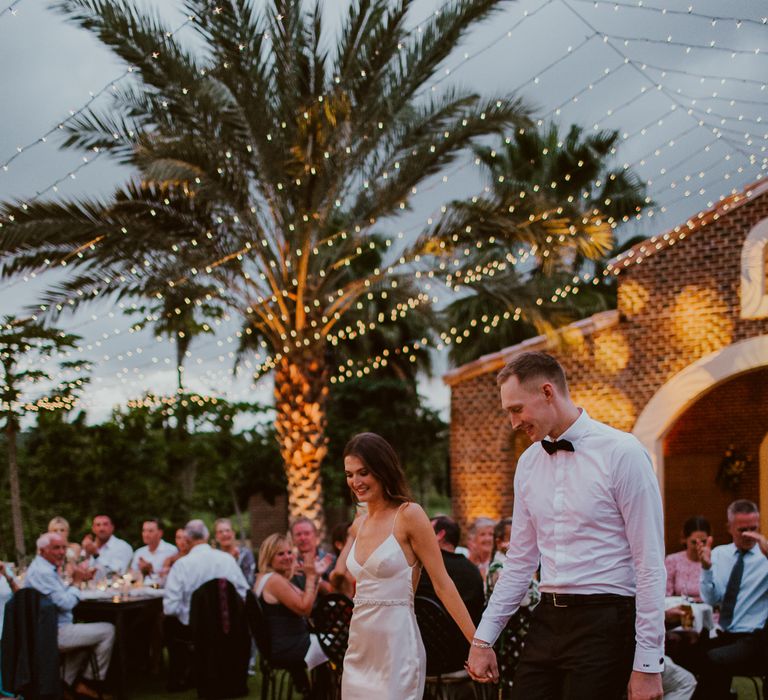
x,y
684,567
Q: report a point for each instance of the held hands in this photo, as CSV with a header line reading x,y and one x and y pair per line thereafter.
x,y
645,686
481,665
761,540
705,552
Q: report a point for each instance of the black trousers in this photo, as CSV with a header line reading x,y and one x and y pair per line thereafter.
x,y
579,652
725,656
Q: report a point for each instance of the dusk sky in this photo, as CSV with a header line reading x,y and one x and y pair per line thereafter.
x,y
685,84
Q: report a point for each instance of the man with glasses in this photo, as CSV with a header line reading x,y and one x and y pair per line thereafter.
x,y
735,577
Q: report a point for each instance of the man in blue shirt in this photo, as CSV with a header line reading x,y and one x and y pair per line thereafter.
x,y
735,577
75,640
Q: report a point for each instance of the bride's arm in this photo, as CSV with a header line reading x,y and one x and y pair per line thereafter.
x,y
340,571
424,543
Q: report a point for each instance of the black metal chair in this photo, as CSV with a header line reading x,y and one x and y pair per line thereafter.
x,y
330,622
221,641
277,682
31,663
509,647
447,650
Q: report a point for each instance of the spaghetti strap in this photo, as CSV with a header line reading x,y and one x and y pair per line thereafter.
x,y
395,519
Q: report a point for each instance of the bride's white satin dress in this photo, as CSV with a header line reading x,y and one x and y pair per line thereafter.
x,y
385,658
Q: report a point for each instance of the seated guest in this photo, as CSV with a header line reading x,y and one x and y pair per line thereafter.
x,y
150,559
225,538
480,543
286,606
462,572
75,640
182,549
108,553
501,534
60,526
735,577
200,565
306,539
684,567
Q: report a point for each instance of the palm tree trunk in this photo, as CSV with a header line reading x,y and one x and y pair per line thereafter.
x,y
187,469
301,391
13,479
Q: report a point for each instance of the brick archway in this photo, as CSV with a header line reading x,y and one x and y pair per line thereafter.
x,y
754,270
764,484
680,392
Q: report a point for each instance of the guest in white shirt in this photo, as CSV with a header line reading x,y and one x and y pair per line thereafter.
x,y
735,577
75,640
150,559
587,506
200,565
108,553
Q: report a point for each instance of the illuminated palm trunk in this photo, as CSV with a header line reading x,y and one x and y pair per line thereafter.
x,y
301,392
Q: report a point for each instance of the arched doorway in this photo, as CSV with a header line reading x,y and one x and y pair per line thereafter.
x,y
729,419
681,392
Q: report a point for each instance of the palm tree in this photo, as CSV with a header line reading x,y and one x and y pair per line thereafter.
x,y
24,343
553,194
297,152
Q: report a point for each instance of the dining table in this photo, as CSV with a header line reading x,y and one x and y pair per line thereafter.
x,y
136,613
702,617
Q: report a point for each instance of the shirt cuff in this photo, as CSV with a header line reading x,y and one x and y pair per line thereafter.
x,y
648,661
488,630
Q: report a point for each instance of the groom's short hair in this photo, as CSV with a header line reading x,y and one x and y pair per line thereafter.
x,y
534,365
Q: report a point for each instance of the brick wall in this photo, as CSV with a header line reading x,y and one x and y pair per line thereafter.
x,y
267,517
676,307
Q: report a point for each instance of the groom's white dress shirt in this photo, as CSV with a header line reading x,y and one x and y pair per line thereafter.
x,y
593,517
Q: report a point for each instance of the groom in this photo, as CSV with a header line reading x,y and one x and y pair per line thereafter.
x,y
587,506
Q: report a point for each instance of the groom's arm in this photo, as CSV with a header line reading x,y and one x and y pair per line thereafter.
x,y
519,567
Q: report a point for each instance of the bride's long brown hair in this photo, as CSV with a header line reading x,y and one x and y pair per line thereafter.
x,y
382,461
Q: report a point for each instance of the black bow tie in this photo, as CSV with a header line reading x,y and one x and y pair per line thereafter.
x,y
552,447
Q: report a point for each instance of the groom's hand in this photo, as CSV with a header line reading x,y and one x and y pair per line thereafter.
x,y
482,666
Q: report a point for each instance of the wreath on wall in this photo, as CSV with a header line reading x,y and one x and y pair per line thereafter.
x,y
732,467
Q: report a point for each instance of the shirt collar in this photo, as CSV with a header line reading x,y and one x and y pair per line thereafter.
x,y
46,562
578,428
736,550
199,548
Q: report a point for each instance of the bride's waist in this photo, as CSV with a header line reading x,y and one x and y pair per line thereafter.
x,y
362,600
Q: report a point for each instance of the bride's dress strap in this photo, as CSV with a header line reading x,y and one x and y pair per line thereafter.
x,y
402,505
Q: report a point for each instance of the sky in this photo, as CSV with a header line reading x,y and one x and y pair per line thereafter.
x,y
683,83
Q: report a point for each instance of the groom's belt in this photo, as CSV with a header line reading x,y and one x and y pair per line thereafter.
x,y
567,600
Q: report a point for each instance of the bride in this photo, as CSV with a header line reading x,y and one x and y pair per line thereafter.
x,y
385,550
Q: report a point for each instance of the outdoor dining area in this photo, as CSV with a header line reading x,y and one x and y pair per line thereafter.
x,y
236,236
205,619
